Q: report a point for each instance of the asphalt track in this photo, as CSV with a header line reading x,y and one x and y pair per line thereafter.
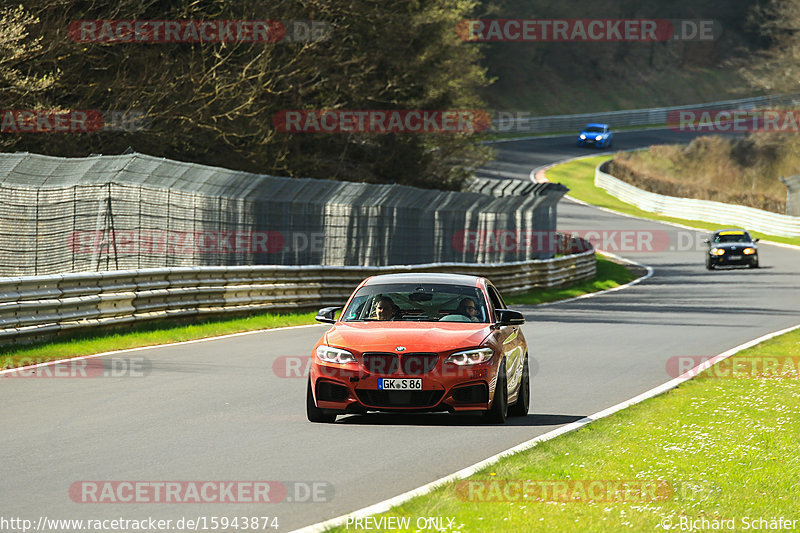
x,y
216,410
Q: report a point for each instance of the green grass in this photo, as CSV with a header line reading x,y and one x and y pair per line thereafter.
x,y
609,275
579,177
716,448
145,335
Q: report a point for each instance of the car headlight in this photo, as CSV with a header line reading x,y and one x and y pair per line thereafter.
x,y
329,354
471,357
717,251
749,251
598,137
583,136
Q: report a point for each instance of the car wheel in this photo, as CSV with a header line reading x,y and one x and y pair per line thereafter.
x,y
521,406
314,413
499,411
709,266
753,265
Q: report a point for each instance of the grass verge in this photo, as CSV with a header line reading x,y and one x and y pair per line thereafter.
x,y
579,177
609,275
158,332
723,446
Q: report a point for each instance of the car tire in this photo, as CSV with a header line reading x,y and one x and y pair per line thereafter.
x,y
314,413
709,266
521,406
753,265
499,410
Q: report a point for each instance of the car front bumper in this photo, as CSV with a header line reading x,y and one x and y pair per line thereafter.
x,y
352,390
727,260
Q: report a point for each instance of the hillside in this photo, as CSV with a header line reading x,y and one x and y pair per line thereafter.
x,y
565,77
742,171
217,103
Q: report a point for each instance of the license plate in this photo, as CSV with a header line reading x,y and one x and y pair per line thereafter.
x,y
399,384
735,257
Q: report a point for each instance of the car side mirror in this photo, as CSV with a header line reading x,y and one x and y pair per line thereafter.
x,y
706,241
507,317
756,240
327,314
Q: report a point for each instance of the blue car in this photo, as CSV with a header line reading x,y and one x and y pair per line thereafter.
x,y
598,135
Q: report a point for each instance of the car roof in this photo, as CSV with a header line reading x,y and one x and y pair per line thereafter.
x,y
596,125
425,277
731,231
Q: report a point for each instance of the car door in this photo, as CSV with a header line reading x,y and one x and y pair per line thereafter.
x,y
511,339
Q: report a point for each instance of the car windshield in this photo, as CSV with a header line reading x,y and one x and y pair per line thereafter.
x,y
732,237
593,129
417,302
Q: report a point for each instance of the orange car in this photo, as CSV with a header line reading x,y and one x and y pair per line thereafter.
x,y
420,342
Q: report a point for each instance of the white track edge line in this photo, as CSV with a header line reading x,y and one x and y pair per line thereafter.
x,y
386,505
151,347
638,280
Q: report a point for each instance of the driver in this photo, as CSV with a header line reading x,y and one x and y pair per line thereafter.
x,y
385,309
468,308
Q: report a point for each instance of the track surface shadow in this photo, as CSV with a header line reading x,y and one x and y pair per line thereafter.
x,y
447,419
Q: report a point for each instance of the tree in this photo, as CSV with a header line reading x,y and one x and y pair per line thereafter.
x,y
22,83
777,69
213,103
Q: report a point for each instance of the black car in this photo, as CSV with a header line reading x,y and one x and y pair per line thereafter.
x,y
731,247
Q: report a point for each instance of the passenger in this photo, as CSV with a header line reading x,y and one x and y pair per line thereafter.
x,y
385,309
468,308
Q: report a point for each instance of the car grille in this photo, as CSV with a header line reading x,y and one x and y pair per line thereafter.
x,y
412,364
399,398
381,363
416,364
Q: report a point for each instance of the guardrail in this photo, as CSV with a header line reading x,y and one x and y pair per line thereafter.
x,y
628,117
44,306
693,209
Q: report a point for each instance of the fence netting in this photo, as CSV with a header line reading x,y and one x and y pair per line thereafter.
x,y
136,211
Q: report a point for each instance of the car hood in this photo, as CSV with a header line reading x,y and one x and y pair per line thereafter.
x,y
414,336
593,134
